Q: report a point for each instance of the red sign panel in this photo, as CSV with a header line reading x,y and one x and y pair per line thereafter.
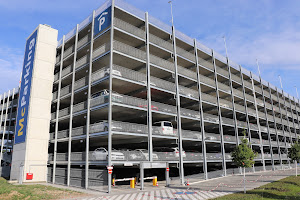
x,y
29,176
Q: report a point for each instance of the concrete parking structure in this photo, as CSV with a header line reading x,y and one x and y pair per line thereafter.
x,y
124,89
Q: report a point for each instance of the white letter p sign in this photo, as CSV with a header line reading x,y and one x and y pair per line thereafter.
x,y
101,20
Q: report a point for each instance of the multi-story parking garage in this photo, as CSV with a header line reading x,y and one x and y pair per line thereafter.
x,y
135,91
129,89
8,107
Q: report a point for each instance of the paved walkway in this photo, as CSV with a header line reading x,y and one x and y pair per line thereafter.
x,y
198,190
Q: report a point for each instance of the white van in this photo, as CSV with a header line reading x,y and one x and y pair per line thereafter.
x,y
163,128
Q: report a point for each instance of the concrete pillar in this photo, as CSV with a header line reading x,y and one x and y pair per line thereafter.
x,y
33,118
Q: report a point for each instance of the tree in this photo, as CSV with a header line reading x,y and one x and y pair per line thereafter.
x,y
243,156
294,153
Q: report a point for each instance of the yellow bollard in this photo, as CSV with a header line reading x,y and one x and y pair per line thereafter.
x,y
132,183
113,182
155,181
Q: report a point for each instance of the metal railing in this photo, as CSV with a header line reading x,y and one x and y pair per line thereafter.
x,y
64,112
69,51
209,98
205,63
236,78
240,108
238,93
101,50
82,61
58,58
225,103
155,60
257,89
188,55
224,87
207,80
83,41
66,90
135,155
160,42
129,50
64,72
81,83
248,84
129,28
223,72
249,97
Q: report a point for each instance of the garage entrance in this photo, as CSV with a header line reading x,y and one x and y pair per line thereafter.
x,y
154,165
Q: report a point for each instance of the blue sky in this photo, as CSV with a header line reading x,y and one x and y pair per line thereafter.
x,y
268,30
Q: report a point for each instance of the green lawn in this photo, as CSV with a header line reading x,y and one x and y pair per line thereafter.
x,y
287,188
9,191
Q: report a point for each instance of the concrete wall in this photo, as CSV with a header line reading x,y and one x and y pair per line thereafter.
x,y
33,154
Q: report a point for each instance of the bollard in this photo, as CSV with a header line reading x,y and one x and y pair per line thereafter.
x,y
113,181
155,181
132,183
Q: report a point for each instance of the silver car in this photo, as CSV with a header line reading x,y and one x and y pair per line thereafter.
x,y
100,126
102,154
145,153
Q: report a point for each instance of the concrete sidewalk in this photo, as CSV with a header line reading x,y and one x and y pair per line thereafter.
x,y
235,183
198,190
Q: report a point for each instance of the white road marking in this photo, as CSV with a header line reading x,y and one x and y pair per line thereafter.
x,y
132,196
139,196
170,195
126,196
120,197
145,197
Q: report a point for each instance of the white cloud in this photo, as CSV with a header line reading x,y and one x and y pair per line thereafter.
x,y
274,49
277,52
11,61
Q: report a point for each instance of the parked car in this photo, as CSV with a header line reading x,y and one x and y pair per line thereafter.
x,y
132,154
189,114
99,126
224,105
228,156
190,134
102,154
163,127
176,152
116,97
186,93
212,137
194,155
106,70
145,153
151,83
168,153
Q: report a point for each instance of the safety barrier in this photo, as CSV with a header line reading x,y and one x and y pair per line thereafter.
x,y
153,178
132,181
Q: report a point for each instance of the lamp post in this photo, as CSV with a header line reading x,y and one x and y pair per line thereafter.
x,y
181,169
297,92
225,46
280,82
